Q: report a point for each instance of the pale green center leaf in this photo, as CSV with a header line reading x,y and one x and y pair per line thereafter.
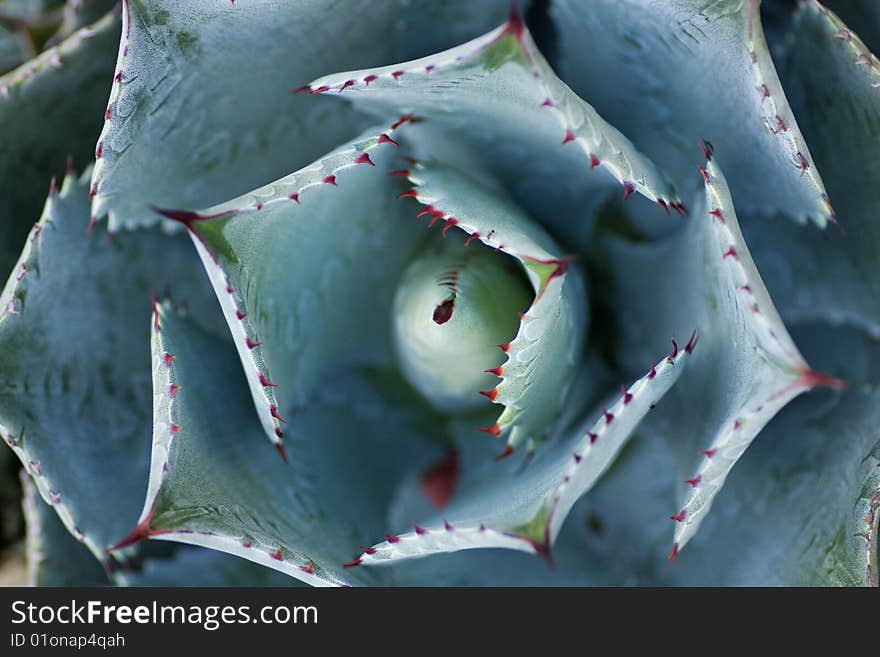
x,y
453,307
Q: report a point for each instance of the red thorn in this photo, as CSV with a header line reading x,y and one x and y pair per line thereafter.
x,y
689,347
419,530
385,139
281,452
139,533
593,437
404,173
364,158
428,210
266,383
173,389
717,214
577,458
494,430
705,175
279,433
447,526
492,394
277,556
628,189
396,74
452,221
736,424
663,205
507,452
765,93
368,79
609,417
429,68
93,191
693,482
174,429
708,453
569,136
169,358
515,23
504,347
240,315
247,544
310,568
408,194
627,395
680,516
346,85
810,379
368,550
730,253
391,538
251,344
707,149
99,151
802,161
673,553
319,90
547,103
273,411
91,225
294,197
301,89
187,217
353,563
653,371
406,118
329,180
497,371
674,352
108,113
154,304
118,77
438,483
471,238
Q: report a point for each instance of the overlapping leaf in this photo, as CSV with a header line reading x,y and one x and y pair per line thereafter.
x,y
284,260
748,367
74,360
201,110
498,94
834,84
542,357
214,483
695,70
50,108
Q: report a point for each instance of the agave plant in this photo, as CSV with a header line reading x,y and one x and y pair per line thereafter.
x,y
509,286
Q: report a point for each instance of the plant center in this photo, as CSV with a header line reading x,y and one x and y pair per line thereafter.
x,y
453,307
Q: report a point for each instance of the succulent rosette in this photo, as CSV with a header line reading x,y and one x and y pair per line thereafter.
x,y
589,283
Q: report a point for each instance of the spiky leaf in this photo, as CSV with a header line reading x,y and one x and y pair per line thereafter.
x,y
74,360
696,70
